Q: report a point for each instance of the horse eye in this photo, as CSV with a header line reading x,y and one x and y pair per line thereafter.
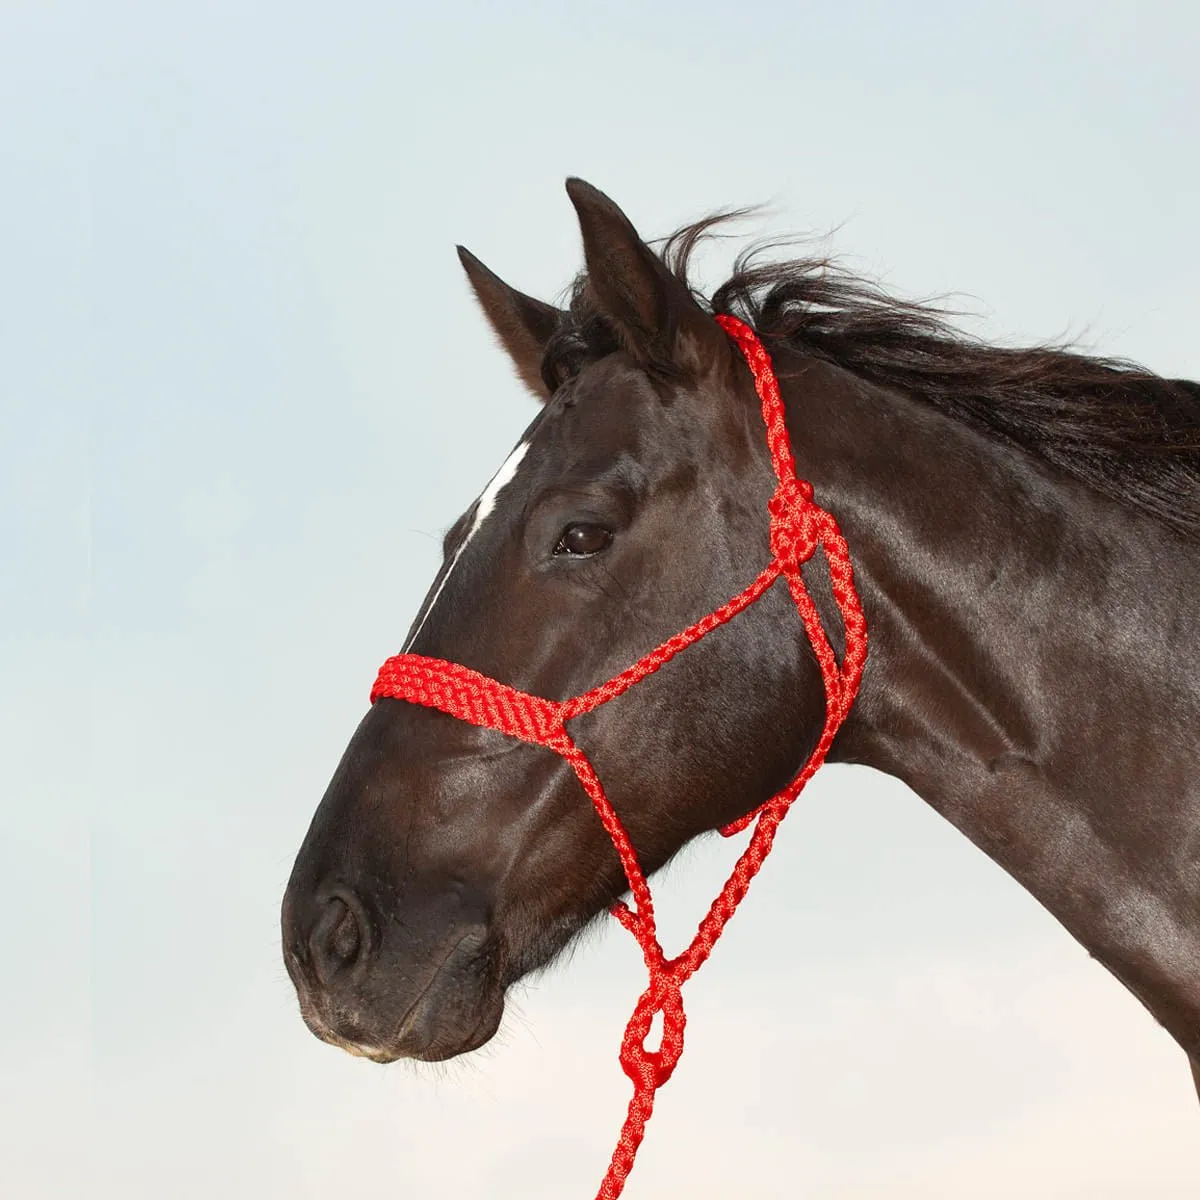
x,y
582,540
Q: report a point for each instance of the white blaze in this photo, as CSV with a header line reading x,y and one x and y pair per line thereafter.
x,y
483,507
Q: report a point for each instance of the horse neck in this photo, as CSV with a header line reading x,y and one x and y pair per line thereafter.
x,y
1034,671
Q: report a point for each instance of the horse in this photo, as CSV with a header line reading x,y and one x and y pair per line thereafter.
x,y
1024,525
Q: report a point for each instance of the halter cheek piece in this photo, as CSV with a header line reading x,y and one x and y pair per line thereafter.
x,y
798,527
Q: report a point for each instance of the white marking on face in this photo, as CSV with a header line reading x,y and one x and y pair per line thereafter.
x,y
487,500
483,507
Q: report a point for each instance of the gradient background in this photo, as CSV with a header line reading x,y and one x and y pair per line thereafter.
x,y
244,391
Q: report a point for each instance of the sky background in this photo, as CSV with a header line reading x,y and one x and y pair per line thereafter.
x,y
244,391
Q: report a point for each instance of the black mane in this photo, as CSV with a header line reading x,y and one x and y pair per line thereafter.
x,y
1123,430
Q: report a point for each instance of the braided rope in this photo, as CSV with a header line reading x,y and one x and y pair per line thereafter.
x,y
798,527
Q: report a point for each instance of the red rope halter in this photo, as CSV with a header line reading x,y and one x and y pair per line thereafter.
x,y
798,527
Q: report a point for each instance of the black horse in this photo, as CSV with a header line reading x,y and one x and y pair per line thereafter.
x,y
1025,528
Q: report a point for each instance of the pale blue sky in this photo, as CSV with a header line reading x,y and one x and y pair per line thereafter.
x,y
231,322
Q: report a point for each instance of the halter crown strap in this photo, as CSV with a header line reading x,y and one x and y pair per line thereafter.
x,y
798,527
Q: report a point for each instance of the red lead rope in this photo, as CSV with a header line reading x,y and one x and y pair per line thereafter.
x,y
798,527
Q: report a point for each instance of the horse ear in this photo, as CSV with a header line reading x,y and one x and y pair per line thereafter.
x,y
655,316
522,324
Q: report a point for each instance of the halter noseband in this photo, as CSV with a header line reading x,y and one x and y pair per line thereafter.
x,y
798,527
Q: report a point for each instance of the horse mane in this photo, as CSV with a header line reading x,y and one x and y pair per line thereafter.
x,y
1121,429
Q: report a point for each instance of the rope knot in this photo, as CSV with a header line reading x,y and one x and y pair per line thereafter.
x,y
652,1068
795,530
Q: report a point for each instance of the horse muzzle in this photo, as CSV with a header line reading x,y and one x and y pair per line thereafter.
x,y
419,984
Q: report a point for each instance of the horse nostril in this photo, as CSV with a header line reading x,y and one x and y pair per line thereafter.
x,y
338,938
346,938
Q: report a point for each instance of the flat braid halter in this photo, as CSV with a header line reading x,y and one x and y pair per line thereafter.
x,y
798,527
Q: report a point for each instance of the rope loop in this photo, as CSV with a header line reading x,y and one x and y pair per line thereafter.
x,y
795,523
652,1068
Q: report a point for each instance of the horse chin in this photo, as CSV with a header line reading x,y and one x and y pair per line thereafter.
x,y
428,1038
439,1026
462,1010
